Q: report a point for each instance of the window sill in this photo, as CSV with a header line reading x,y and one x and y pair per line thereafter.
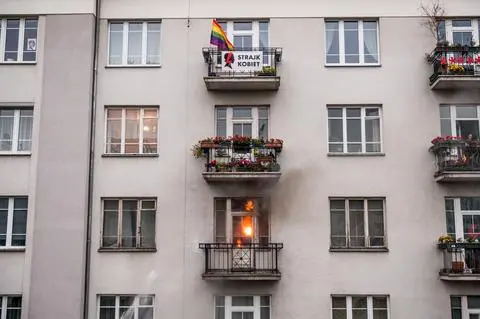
x,y
127,250
353,65
134,66
355,154
12,249
18,63
359,250
130,155
14,154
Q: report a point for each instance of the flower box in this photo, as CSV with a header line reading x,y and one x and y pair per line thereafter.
x,y
208,145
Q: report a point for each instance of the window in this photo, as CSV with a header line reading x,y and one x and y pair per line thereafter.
x,y
460,31
131,130
13,221
460,120
242,120
354,129
131,306
465,307
360,307
357,223
18,40
463,217
129,223
242,307
242,220
134,43
16,130
10,307
352,42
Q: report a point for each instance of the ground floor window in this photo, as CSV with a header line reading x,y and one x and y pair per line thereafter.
x,y
360,307
242,307
465,307
126,306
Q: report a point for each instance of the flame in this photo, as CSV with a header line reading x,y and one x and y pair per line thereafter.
x,y
247,226
238,243
249,205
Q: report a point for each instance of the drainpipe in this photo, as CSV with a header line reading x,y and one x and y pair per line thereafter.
x,y
88,233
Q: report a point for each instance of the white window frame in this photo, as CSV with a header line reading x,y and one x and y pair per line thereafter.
x,y
136,304
254,32
16,133
228,308
369,304
341,45
138,231
123,128
466,312
365,222
253,120
458,214
454,118
362,123
125,44
21,35
11,208
449,29
4,303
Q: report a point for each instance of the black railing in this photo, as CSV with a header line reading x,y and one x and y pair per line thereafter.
x,y
229,157
217,64
241,259
461,258
455,61
457,156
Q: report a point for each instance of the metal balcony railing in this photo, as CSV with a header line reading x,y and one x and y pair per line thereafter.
x,y
454,61
255,259
461,258
457,155
216,62
228,157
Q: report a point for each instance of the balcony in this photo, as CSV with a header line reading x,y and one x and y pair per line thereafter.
x,y
461,261
455,68
456,159
240,159
224,261
247,69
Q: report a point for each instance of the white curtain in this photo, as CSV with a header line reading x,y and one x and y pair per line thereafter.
x,y
6,130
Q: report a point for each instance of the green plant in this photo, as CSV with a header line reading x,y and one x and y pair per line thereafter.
x,y
268,70
446,239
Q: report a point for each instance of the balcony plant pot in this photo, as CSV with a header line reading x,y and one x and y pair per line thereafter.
x,y
276,146
458,267
241,148
206,145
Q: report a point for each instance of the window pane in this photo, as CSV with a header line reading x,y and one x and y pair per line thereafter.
x,y
126,301
359,314
242,301
370,42
19,228
129,223
11,42
380,314
380,302
145,313
354,148
242,112
445,112
335,130
147,228
242,41
25,130
14,313
461,23
354,112
464,128
116,43
470,203
351,42
354,130
335,112
372,112
359,302
153,43
339,314
30,40
357,228
110,229
445,127
6,129
265,313
339,302
473,302
108,301
150,135
219,313
264,301
466,111
239,26
221,119
376,228
372,130
132,128
332,42
135,43
3,222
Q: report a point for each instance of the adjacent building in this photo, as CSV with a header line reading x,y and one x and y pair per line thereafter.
x,y
308,173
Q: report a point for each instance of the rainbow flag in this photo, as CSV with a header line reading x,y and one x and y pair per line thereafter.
x,y
219,38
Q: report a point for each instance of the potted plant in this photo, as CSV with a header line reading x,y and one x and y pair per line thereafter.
x,y
455,69
241,144
274,143
268,71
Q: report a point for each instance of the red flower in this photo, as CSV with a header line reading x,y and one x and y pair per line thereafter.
x,y
451,59
469,60
443,61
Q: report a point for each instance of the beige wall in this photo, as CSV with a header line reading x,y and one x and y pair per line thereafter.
x,y
28,7
300,217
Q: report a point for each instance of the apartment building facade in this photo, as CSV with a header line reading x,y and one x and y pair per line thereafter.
x,y
327,203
